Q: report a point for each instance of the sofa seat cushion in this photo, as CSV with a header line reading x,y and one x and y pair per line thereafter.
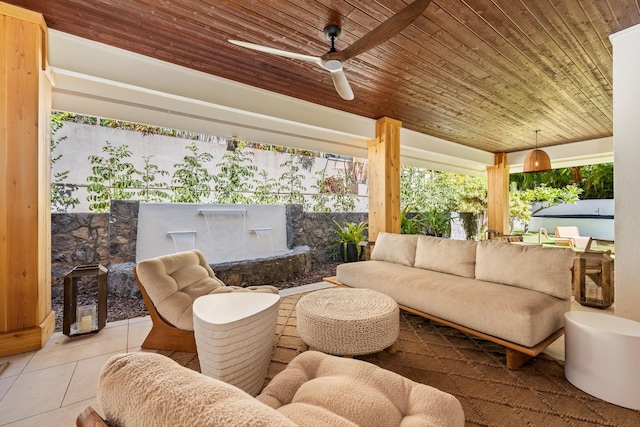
x,y
540,269
317,389
518,315
446,255
148,389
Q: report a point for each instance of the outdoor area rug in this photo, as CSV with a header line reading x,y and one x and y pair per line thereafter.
x,y
471,369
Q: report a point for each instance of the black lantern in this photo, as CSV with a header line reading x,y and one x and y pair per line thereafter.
x,y
89,317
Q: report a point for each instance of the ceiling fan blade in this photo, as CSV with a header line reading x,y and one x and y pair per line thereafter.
x,y
386,30
342,85
299,56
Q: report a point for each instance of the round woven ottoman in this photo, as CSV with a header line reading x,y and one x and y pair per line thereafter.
x,y
348,322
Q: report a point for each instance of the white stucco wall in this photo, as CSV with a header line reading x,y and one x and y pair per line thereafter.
x,y
626,131
82,140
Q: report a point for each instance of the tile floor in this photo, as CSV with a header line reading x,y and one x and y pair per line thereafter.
x,y
53,385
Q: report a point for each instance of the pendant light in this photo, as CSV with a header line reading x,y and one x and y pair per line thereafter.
x,y
537,160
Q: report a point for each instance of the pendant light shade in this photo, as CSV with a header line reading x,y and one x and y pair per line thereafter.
x,y
537,160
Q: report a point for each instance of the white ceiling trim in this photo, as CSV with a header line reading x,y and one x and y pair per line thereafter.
x,y
101,80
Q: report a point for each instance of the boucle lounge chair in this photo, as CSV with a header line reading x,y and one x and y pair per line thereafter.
x,y
169,284
315,389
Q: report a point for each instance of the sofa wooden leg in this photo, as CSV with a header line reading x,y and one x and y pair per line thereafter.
x,y
303,346
516,359
393,348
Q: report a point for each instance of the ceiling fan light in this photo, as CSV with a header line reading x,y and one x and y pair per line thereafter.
x,y
332,64
536,161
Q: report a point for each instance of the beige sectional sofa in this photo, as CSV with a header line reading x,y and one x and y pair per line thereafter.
x,y
514,295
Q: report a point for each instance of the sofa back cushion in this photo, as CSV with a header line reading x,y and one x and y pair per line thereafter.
x,y
396,248
446,255
546,270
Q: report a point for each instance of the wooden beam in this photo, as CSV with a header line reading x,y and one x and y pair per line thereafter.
x,y
384,178
498,194
26,319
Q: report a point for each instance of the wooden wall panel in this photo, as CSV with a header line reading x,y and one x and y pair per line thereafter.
x,y
26,319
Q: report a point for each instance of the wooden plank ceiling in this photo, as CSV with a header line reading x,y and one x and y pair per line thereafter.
x,y
483,73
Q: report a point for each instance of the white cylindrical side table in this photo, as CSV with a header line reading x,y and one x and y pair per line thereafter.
x,y
234,335
602,353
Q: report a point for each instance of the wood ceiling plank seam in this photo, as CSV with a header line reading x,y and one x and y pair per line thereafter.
x,y
505,113
582,51
501,67
515,47
563,69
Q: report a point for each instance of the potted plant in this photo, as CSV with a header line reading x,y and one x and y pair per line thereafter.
x,y
348,238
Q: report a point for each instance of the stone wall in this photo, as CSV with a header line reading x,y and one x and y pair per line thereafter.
x,y
110,239
77,239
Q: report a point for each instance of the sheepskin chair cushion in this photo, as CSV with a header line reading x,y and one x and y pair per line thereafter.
x,y
174,281
318,389
148,389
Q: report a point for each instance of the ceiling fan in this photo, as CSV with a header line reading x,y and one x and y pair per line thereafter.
x,y
333,60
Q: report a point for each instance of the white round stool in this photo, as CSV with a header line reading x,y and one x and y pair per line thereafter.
x,y
602,353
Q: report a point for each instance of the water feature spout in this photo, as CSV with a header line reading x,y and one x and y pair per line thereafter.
x,y
183,240
263,233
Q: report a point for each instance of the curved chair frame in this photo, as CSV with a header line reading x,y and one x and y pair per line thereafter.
x,y
164,336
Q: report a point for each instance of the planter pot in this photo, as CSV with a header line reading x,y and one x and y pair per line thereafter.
x,y
349,252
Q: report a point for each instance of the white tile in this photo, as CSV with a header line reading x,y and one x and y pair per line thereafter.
x,y
65,416
5,384
17,363
36,392
138,331
306,288
114,340
84,382
140,319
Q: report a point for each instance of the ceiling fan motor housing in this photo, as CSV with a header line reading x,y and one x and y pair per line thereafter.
x,y
332,32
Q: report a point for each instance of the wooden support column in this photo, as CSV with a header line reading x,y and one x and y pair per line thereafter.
x,y
498,194
384,178
26,319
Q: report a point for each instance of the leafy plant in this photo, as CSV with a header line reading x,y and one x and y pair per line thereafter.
x,y
411,222
235,178
112,178
61,194
190,180
322,196
153,191
349,233
438,223
290,182
266,189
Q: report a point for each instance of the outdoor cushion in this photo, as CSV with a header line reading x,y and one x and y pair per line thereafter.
x,y
447,255
546,270
148,389
317,389
396,248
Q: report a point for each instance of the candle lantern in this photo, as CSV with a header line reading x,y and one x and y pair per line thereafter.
x,y
91,315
